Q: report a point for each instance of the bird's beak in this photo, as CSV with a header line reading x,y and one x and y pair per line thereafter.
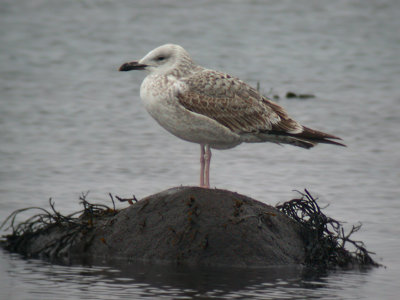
x,y
133,65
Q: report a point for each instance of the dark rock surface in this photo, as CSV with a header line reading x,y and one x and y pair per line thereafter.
x,y
185,225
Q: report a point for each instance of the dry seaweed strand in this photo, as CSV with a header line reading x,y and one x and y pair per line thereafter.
x,y
325,237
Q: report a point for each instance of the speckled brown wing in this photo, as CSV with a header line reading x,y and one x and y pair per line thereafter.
x,y
234,104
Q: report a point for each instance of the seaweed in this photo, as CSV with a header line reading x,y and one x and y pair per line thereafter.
x,y
325,237
46,221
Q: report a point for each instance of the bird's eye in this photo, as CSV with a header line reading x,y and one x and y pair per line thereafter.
x,y
160,58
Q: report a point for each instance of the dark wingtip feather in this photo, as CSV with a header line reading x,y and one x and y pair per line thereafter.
x,y
316,136
331,142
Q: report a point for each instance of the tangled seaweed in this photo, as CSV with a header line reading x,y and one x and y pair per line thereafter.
x,y
325,237
71,225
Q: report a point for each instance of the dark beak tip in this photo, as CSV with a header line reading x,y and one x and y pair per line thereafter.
x,y
134,65
124,67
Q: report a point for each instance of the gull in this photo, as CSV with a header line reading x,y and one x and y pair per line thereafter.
x,y
212,108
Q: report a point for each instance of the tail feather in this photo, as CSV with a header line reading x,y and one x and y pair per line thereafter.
x,y
316,136
300,143
307,138
285,139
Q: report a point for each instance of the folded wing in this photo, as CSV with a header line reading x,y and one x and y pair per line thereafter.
x,y
239,107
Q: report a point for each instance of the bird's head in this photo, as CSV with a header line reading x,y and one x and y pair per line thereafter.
x,y
161,60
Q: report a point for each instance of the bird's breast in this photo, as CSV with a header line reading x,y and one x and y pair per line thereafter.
x,y
159,98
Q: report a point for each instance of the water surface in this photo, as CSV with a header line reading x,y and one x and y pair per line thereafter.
x,y
69,123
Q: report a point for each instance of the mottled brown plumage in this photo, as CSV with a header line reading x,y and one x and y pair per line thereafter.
x,y
213,109
239,107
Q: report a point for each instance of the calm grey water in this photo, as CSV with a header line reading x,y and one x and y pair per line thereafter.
x,y
69,123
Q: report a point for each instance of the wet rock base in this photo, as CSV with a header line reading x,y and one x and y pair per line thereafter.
x,y
189,226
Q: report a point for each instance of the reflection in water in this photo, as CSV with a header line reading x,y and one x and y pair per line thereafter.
x,y
138,280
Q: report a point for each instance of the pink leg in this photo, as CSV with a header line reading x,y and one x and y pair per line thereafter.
x,y
207,158
202,165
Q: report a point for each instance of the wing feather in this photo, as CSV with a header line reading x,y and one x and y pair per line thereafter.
x,y
239,107
234,104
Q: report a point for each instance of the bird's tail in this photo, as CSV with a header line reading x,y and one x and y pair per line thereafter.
x,y
315,136
308,138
